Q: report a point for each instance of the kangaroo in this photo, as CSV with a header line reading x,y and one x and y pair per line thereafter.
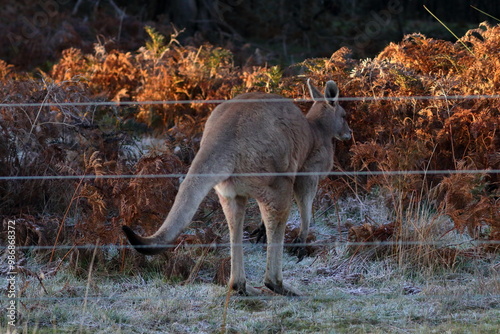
x,y
266,138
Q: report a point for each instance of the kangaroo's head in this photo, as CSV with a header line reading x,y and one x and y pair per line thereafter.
x,y
328,112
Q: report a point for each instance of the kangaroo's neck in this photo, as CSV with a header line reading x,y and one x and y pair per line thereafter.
x,y
320,120
321,154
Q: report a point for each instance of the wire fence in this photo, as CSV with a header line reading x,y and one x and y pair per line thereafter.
x,y
182,175
267,100
120,297
213,245
271,100
336,273
294,174
49,271
117,296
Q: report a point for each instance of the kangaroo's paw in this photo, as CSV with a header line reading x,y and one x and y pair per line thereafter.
x,y
299,250
251,291
260,234
246,290
283,289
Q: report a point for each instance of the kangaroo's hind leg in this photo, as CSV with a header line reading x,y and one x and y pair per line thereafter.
x,y
305,189
234,210
274,205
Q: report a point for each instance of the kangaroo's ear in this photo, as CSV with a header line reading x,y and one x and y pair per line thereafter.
x,y
314,92
332,92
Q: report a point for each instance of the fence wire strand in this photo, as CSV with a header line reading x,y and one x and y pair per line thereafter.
x,y
271,100
316,298
182,175
215,245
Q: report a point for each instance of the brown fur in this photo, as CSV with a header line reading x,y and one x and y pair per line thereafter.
x,y
257,137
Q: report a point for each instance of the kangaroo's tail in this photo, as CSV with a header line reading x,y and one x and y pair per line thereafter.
x,y
141,244
191,193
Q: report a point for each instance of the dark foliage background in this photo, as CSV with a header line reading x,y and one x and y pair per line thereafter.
x,y
34,32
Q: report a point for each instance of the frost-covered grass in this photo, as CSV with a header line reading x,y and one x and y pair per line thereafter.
x,y
367,297
343,293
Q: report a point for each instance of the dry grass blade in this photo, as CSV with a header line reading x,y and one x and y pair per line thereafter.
x,y
87,288
61,227
483,12
454,35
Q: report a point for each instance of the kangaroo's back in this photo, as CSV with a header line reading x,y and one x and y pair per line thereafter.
x,y
259,132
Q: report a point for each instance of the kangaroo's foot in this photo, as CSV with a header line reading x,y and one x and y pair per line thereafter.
x,y
246,290
260,234
299,250
283,289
